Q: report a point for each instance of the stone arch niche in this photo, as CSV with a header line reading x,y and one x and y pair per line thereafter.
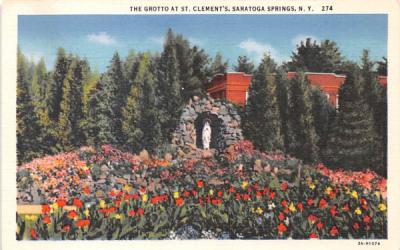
x,y
223,118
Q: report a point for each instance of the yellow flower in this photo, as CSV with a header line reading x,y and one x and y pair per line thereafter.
x,y
358,211
31,217
145,197
292,208
85,168
354,194
211,192
328,190
382,207
86,212
176,195
311,186
54,206
118,216
259,210
245,184
102,204
127,188
378,194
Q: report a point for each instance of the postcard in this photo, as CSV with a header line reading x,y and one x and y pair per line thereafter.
x,y
204,124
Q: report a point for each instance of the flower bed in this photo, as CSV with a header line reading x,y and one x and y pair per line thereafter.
x,y
242,195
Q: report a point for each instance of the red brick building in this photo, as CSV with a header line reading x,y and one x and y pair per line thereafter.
x,y
328,82
234,86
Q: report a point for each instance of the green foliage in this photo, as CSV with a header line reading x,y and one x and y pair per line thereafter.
x,y
218,66
170,101
28,126
354,143
244,65
54,91
382,67
140,123
70,125
313,57
322,110
303,140
262,124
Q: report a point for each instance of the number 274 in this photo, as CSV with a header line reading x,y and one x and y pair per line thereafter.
x,y
327,8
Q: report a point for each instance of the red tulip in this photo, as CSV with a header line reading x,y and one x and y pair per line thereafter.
x,y
281,228
45,208
310,201
333,232
78,203
34,234
72,214
323,204
82,223
284,203
140,211
61,203
47,220
356,226
313,236
300,207
284,186
200,184
179,201
131,213
281,216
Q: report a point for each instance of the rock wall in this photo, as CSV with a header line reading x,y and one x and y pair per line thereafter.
x,y
185,134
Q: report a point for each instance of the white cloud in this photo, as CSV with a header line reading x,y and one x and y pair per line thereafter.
x,y
257,49
101,38
302,37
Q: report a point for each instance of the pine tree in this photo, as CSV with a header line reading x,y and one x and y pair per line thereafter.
x,y
38,83
218,66
354,142
100,114
198,78
70,124
244,65
262,124
322,111
54,92
170,101
119,88
304,139
28,126
282,90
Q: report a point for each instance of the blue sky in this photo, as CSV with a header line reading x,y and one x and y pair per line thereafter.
x,y
97,37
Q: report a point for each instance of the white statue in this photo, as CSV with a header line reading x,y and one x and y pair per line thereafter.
x,y
206,135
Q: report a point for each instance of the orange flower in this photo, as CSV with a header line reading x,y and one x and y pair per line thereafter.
x,y
140,211
366,219
78,203
186,194
179,201
281,217
86,190
322,204
333,232
45,209
131,213
312,218
281,228
72,214
61,203
34,234
82,223
47,220
300,207
284,186
66,228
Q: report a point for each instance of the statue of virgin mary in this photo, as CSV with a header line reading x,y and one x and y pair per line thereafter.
x,y
206,135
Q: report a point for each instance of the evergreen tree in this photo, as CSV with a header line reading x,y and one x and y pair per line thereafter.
x,y
218,66
119,89
313,57
70,124
38,83
322,111
198,78
54,92
353,144
28,127
282,89
100,123
244,65
262,124
304,139
170,101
